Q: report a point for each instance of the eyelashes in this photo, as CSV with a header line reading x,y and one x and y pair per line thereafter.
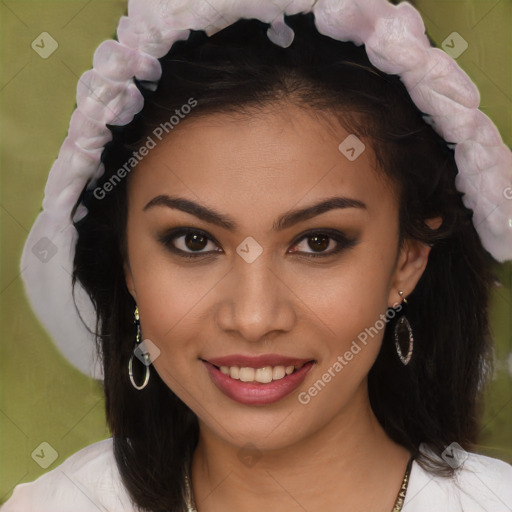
x,y
193,236
194,241
323,240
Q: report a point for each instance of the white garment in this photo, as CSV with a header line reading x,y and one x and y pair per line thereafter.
x,y
88,481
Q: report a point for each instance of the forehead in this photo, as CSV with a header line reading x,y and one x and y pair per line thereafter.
x,y
273,158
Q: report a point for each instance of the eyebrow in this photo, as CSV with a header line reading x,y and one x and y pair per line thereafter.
x,y
225,221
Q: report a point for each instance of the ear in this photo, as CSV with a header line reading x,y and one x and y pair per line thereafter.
x,y
129,280
411,263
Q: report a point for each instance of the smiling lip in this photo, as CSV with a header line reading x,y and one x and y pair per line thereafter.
x,y
257,393
256,361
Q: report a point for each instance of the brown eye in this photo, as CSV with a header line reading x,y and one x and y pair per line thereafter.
x,y
189,243
322,243
319,243
195,242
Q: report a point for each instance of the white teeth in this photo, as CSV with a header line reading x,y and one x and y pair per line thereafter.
x,y
278,372
247,374
263,375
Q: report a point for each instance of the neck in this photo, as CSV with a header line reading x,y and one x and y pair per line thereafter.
x,y
350,463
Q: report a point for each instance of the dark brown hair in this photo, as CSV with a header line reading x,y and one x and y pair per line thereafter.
x,y
436,398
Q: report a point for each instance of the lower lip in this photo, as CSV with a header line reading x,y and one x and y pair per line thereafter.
x,y
256,393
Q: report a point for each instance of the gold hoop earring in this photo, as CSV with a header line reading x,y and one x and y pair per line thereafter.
x,y
402,326
136,320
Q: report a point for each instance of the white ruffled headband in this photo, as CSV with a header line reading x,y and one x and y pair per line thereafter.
x,y
395,41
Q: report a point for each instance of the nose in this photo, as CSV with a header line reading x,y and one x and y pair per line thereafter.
x,y
255,302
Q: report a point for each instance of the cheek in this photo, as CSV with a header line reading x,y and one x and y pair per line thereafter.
x,y
167,296
350,296
348,317
170,304
170,316
348,313
355,317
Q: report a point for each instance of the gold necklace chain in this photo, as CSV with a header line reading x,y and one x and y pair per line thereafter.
x,y
399,502
397,507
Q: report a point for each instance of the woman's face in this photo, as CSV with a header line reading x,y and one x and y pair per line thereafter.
x,y
255,277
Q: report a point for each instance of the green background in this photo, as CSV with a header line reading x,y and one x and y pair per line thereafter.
x,y
42,397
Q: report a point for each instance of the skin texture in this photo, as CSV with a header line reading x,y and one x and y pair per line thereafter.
x,y
330,454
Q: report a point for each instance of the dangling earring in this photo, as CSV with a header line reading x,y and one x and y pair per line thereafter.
x,y
130,362
402,325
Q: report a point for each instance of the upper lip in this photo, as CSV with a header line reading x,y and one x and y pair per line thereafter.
x,y
245,361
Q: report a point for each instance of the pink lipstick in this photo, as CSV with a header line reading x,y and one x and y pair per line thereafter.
x,y
237,376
